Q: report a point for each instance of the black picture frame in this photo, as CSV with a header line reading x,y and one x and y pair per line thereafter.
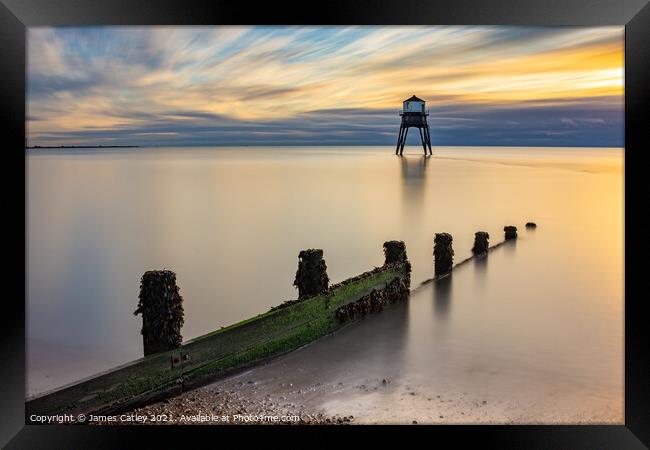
x,y
17,15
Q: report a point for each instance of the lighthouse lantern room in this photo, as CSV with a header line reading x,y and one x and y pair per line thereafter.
x,y
414,105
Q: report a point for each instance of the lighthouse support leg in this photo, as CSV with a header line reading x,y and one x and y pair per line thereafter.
x,y
424,145
406,133
428,138
399,139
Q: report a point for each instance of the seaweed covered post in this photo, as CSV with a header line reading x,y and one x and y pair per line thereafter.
x,y
161,306
481,242
510,232
397,290
394,252
443,254
311,276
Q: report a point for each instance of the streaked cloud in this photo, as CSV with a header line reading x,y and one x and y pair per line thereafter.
x,y
316,85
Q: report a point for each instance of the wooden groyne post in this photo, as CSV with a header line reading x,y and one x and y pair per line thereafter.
x,y
481,242
161,306
510,232
443,254
311,276
394,252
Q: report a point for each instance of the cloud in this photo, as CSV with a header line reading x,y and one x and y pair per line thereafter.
x,y
314,85
588,126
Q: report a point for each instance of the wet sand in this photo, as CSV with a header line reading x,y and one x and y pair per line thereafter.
x,y
371,402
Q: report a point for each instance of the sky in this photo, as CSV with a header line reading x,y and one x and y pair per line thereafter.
x,y
279,85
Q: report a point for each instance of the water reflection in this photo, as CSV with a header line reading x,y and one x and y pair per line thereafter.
x,y
413,184
414,168
509,247
384,342
442,297
480,270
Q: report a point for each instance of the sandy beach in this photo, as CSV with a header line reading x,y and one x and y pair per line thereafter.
x,y
247,397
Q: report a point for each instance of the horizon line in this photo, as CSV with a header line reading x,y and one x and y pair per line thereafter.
x,y
45,147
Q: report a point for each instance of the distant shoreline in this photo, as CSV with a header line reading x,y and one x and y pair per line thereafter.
x,y
84,146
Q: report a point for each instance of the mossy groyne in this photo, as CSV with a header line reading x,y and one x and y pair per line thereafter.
x,y
320,309
201,360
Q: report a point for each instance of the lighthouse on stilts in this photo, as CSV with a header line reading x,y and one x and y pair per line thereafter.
x,y
414,115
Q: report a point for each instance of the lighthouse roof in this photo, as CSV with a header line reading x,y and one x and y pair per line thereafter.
x,y
414,99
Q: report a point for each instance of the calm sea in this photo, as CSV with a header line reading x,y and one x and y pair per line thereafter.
x,y
545,313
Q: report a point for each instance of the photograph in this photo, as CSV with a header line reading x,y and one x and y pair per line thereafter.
x,y
324,224
412,220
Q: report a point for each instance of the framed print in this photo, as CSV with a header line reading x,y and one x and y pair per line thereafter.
x,y
410,214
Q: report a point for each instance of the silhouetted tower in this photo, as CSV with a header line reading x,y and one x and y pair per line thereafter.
x,y
414,115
